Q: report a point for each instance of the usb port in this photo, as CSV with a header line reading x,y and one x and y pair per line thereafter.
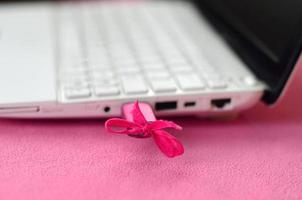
x,y
167,105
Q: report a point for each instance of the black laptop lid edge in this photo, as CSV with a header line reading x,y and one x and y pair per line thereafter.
x,y
253,57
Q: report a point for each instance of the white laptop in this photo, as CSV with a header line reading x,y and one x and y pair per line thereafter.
x,y
208,58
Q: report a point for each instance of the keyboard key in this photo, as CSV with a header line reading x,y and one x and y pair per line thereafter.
x,y
76,83
199,61
106,90
73,66
176,61
99,62
163,85
190,82
118,49
124,60
127,61
154,66
140,41
105,82
209,72
148,57
181,69
74,73
97,51
217,83
77,93
134,84
128,69
73,78
161,74
96,74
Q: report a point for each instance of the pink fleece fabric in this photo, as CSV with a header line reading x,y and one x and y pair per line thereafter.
x,y
257,156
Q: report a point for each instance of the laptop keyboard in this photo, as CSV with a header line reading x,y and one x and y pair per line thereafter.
x,y
110,49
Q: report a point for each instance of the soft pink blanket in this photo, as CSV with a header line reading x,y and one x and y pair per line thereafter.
x,y
257,156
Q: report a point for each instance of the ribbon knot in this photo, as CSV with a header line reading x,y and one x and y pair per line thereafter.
x,y
141,128
147,131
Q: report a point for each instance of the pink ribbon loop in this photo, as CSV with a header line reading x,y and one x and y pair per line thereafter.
x,y
122,126
140,128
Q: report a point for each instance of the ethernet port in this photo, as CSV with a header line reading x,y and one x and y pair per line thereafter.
x,y
221,103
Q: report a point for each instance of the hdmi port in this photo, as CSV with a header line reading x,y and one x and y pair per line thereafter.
x,y
221,103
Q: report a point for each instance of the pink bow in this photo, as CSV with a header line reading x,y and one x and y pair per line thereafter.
x,y
141,128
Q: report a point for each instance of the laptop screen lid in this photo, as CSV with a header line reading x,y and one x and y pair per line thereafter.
x,y
267,35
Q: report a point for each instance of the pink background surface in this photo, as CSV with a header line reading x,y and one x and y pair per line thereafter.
x,y
257,156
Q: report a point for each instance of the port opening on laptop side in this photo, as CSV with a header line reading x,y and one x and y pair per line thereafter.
x,y
19,109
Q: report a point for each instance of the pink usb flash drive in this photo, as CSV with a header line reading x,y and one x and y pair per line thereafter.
x,y
140,122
